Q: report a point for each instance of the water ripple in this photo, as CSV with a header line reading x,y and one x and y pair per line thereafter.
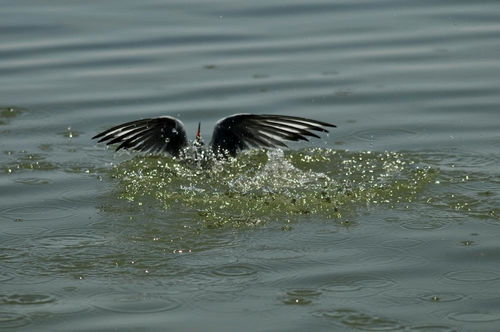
x,y
472,276
235,270
137,303
372,135
38,213
18,229
285,237
475,317
357,286
6,276
402,243
26,299
13,320
33,181
68,241
441,296
352,318
9,253
300,296
433,328
414,296
266,252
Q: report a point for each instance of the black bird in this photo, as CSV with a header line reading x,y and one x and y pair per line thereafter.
x,y
231,134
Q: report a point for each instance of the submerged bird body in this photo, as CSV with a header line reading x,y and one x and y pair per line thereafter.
x,y
231,134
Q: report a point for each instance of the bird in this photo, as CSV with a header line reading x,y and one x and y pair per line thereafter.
x,y
232,134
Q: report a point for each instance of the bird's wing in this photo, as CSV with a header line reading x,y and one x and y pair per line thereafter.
x,y
242,131
163,134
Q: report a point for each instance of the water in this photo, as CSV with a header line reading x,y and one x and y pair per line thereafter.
x,y
390,223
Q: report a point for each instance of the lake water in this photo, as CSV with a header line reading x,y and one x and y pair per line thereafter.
x,y
389,223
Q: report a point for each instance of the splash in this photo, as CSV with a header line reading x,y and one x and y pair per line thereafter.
x,y
262,186
8,113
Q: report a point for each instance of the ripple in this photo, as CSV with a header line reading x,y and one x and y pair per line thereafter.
x,y
483,186
378,282
322,236
219,298
495,142
389,255
11,319
303,292
235,302
33,181
296,301
360,320
441,297
425,224
55,254
202,259
373,135
8,113
30,277
433,328
4,276
473,159
472,276
10,253
27,299
36,213
459,160
237,270
54,304
222,283
358,286
374,255
300,296
346,286
402,243
273,253
475,317
403,296
69,133
21,230
227,278
134,303
84,194
64,241
28,161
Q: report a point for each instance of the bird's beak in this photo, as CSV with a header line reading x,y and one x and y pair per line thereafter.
x,y
198,132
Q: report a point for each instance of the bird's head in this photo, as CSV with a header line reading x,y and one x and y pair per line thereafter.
x,y
198,141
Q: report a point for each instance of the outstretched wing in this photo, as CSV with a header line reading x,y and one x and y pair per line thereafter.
x,y
243,131
163,134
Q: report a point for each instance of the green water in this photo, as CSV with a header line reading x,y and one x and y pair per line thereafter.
x,y
388,223
257,187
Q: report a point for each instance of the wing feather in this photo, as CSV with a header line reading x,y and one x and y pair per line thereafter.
x,y
237,132
120,128
127,134
155,135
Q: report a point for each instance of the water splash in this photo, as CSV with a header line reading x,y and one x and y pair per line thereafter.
x,y
8,113
262,186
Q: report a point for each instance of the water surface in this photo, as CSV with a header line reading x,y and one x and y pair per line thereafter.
x,y
391,222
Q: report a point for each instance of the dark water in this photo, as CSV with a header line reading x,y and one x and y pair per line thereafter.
x,y
390,223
